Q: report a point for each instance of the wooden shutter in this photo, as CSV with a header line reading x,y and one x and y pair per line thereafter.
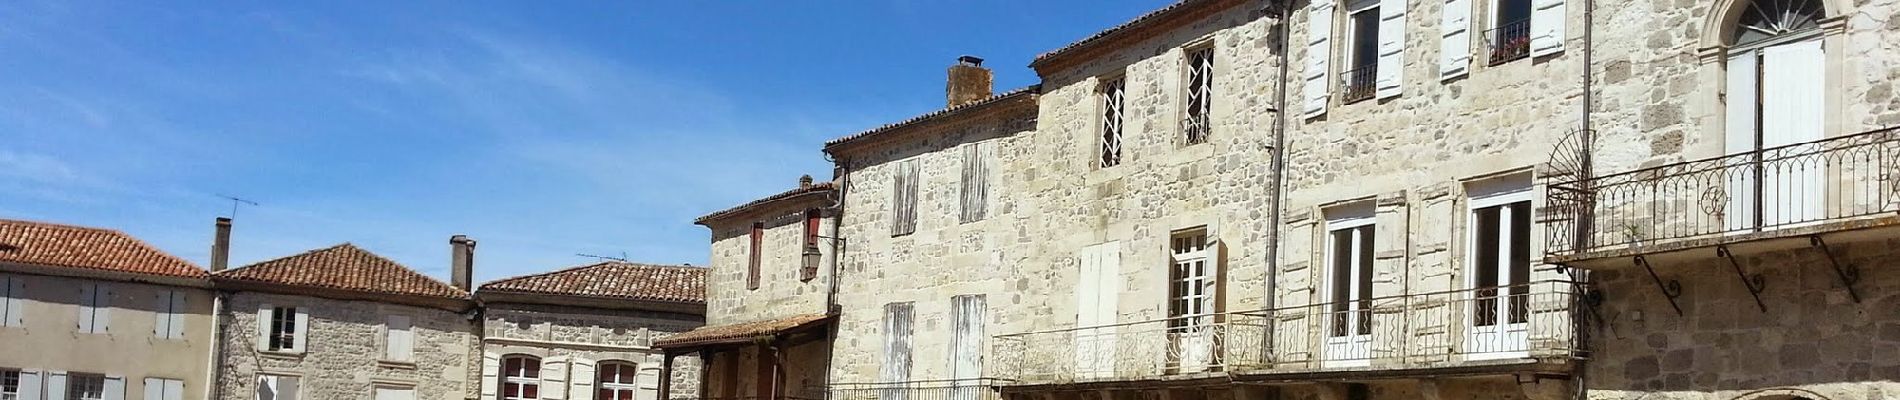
x,y
161,324
29,383
399,339
1391,77
1743,80
1319,34
554,378
1454,50
14,312
977,158
648,382
55,385
904,198
302,341
897,330
180,308
154,389
581,387
491,374
1547,27
757,236
88,310
966,356
174,389
263,326
114,387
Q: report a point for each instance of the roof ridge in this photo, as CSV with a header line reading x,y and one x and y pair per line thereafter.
x,y
582,267
1032,88
59,225
134,239
304,253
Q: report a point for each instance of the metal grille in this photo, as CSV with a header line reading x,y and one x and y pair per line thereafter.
x,y
1200,96
1113,91
1836,179
1508,42
951,389
1359,83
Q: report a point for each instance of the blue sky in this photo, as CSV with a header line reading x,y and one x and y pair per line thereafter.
x,y
542,129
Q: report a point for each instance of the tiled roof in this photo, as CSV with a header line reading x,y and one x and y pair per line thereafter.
x,y
742,332
1179,8
821,187
613,279
40,243
1000,98
344,267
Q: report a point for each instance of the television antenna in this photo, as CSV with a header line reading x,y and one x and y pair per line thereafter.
x,y
235,202
621,258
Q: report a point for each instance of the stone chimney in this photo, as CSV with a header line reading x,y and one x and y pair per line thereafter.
x,y
221,245
804,181
969,81
461,262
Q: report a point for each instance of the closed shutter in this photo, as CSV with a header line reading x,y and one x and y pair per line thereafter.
x,y
1454,51
648,381
161,324
30,384
400,339
115,388
55,385
14,312
154,389
554,378
1319,34
263,327
966,360
102,309
1547,27
174,389
302,330
88,294
904,198
1743,72
582,384
1391,78
286,387
976,180
179,309
491,374
897,330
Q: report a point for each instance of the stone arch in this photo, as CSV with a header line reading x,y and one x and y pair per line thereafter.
x,y
1718,31
1781,394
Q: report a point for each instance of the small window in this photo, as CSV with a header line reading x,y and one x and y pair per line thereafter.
x,y
283,329
1510,35
1112,92
520,377
756,255
904,198
277,387
1361,78
85,387
1200,95
616,380
9,384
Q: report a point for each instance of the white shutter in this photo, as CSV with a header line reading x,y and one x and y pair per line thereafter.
x,y
87,308
582,383
648,382
102,310
174,389
154,389
55,385
1791,114
491,372
1454,51
263,327
302,341
966,355
1319,34
399,339
30,384
1391,78
1547,27
286,387
554,378
1739,211
15,307
115,388
179,310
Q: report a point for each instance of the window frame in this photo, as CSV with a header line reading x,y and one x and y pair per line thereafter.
x,y
1111,93
1521,204
1494,24
10,379
1200,112
283,330
629,389
1361,230
1351,66
77,383
1191,288
530,377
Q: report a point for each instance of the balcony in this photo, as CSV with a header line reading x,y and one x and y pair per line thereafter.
x,y
1526,328
1358,84
1508,42
954,389
1807,194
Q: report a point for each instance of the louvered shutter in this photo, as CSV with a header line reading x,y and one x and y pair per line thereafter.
x,y
302,341
30,384
1391,78
263,327
55,385
400,339
491,374
115,388
582,384
648,381
15,312
1319,34
554,378
1547,27
1454,51
88,296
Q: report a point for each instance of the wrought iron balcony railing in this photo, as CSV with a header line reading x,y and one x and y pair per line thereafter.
x,y
1508,42
1359,84
1791,186
952,389
1525,321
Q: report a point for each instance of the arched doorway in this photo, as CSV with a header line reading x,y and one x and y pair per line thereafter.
x,y
1776,97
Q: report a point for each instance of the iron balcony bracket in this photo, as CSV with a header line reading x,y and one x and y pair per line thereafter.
x,y
1670,290
1849,274
1754,283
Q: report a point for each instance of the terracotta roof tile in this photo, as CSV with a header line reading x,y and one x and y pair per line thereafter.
x,y
821,187
344,267
40,243
1171,11
1027,91
613,279
741,332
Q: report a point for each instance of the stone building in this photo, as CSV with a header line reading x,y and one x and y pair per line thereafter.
x,y
587,332
90,313
343,323
768,293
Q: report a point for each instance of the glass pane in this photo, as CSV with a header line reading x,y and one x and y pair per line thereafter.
x,y
1365,38
1520,261
1485,254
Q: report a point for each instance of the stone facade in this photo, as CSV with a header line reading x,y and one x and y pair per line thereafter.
x,y
343,355
570,341
47,343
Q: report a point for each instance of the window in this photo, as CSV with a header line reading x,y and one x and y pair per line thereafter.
x,y
756,255
85,387
395,393
977,158
282,329
94,308
164,389
1510,35
1200,95
1503,261
171,315
520,377
399,339
904,198
1349,280
1766,19
1191,306
1362,51
9,385
12,312
617,380
277,387
1112,91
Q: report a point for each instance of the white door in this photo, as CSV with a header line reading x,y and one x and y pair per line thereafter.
x,y
1775,99
1349,292
1097,285
1499,255
1191,302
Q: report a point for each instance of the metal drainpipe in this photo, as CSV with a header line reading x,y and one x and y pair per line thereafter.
x,y
1279,169
215,390
842,174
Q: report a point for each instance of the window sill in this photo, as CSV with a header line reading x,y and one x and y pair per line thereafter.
x,y
392,364
281,354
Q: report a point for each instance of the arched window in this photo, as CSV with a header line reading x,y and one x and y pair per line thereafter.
x,y
617,380
520,377
1765,19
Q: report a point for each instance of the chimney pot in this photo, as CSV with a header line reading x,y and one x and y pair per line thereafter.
x,y
461,262
804,181
221,245
968,82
